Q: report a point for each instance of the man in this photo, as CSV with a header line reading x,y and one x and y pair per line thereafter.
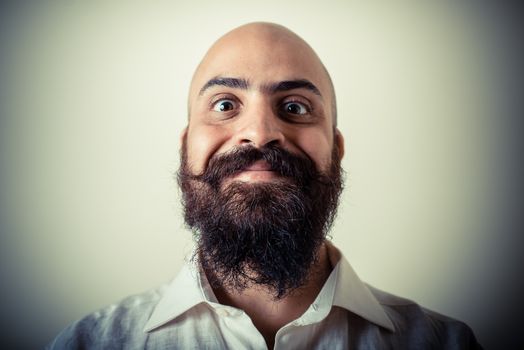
x,y
261,178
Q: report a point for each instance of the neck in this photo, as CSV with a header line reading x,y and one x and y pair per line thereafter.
x,y
269,314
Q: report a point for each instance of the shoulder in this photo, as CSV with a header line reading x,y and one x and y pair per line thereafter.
x,y
423,326
119,325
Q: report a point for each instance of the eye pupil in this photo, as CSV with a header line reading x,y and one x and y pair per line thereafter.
x,y
225,106
294,108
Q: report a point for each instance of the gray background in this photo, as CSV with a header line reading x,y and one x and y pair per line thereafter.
x,y
92,102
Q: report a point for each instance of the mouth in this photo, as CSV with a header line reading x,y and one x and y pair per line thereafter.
x,y
258,171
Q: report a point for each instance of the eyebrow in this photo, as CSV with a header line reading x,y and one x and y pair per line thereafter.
x,y
243,84
291,85
234,83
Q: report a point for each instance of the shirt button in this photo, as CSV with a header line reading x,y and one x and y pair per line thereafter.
x,y
236,313
222,312
284,338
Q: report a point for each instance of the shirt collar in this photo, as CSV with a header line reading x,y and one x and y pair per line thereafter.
x,y
189,289
343,289
352,294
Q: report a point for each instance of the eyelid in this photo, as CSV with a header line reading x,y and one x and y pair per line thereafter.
x,y
223,97
300,100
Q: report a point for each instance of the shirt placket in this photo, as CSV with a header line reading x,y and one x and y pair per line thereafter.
x,y
239,324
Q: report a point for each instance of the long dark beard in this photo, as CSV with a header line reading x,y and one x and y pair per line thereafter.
x,y
267,233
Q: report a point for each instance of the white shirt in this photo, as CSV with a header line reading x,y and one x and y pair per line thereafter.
x,y
346,314
322,326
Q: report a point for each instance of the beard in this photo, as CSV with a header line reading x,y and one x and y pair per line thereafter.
x,y
264,234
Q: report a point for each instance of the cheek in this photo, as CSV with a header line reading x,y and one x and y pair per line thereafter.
x,y
318,146
202,143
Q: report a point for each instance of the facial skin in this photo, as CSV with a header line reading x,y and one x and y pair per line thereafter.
x,y
238,96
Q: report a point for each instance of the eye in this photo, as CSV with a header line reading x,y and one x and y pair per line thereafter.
x,y
295,108
224,105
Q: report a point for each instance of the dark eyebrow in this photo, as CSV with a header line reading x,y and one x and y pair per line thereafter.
x,y
291,85
234,83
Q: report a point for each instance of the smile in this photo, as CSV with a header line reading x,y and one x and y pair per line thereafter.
x,y
258,171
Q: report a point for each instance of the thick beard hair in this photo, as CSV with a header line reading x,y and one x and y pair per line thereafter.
x,y
265,234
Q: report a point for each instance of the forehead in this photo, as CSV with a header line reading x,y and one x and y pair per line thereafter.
x,y
262,58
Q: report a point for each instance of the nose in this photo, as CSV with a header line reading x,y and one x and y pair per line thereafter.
x,y
260,127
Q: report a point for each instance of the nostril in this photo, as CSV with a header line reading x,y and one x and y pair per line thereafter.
x,y
273,143
250,142
259,134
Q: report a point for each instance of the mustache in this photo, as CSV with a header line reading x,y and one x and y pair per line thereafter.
x,y
286,164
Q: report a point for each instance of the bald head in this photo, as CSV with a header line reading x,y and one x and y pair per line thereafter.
x,y
263,53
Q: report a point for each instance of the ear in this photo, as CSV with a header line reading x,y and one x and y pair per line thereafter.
x,y
339,140
183,136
